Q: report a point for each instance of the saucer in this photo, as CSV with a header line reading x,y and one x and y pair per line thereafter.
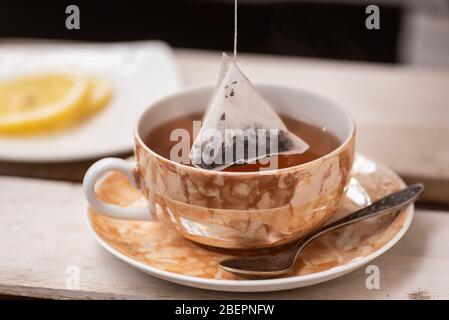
x,y
138,72
156,248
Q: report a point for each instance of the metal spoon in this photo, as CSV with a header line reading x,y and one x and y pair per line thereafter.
x,y
274,265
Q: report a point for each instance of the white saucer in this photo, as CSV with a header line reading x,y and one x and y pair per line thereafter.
x,y
139,73
129,241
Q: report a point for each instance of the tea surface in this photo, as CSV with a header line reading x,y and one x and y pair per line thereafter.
x,y
320,141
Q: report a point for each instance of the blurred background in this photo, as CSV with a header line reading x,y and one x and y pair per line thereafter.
x,y
412,31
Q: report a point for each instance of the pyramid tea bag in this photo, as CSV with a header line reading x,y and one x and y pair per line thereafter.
x,y
239,126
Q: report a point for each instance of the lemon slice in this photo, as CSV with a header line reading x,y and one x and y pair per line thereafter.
x,y
99,96
42,101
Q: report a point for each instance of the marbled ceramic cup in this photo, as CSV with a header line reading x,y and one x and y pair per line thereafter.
x,y
238,210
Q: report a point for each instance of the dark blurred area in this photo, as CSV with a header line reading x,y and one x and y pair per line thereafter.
x,y
325,29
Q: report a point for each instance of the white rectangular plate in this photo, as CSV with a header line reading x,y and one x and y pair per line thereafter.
x,y
139,73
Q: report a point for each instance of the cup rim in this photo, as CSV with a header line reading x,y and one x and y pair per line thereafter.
x,y
258,85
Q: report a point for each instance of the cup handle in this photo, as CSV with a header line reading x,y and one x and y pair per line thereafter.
x,y
95,172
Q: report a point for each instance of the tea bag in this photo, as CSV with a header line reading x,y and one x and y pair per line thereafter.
x,y
239,126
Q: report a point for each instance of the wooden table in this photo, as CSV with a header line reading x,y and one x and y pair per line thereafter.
x,y
403,120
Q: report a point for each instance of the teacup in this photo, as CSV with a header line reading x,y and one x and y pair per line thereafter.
x,y
214,207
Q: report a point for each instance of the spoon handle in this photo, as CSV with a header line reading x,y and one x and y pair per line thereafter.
x,y
390,203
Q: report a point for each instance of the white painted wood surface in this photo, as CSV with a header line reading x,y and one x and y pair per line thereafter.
x,y
42,232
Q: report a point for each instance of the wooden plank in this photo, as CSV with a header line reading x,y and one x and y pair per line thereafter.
x,y
67,171
42,232
401,112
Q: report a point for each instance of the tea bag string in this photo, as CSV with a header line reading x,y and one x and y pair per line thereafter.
x,y
235,30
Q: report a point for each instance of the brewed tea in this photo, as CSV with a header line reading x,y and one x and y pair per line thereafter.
x,y
320,141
